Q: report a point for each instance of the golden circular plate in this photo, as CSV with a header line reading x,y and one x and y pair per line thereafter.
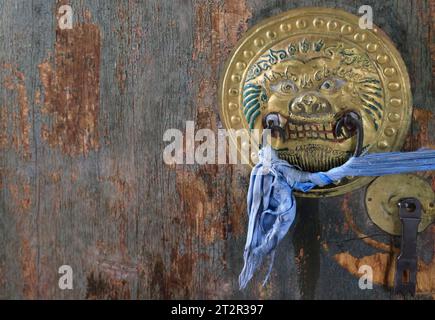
x,y
384,193
308,65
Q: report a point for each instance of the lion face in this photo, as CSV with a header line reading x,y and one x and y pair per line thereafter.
x,y
307,85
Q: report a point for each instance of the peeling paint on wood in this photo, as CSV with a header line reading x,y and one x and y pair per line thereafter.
x,y
72,90
420,136
218,27
18,116
197,193
29,269
216,37
21,199
121,75
100,286
384,266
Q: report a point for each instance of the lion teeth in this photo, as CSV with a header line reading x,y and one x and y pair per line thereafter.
x,y
322,131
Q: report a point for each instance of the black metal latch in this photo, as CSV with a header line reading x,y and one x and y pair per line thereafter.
x,y
406,269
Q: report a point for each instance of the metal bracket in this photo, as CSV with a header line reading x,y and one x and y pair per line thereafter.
x,y
406,269
384,193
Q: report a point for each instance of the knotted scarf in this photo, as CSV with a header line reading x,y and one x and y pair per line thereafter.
x,y
271,204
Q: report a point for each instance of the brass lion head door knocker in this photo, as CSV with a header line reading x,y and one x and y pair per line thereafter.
x,y
305,70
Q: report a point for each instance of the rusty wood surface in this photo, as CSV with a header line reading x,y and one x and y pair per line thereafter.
x,y
82,181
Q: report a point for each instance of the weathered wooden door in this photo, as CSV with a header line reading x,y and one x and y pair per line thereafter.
x,y
83,183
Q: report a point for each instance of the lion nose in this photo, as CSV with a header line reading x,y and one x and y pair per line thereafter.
x,y
310,104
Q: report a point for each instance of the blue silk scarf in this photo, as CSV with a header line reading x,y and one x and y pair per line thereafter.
x,y
272,206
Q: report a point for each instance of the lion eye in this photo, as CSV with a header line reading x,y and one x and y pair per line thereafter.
x,y
327,85
285,87
331,84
